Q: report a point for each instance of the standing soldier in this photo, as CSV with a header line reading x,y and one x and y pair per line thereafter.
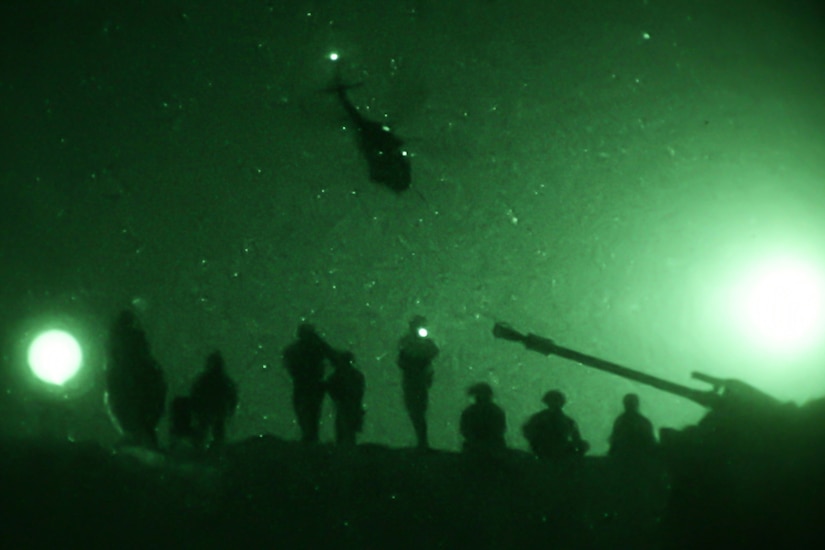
x,y
483,423
304,360
135,387
632,434
346,388
415,356
214,399
551,433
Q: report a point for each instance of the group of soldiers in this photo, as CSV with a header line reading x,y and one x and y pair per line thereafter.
x,y
136,393
199,419
551,433
305,361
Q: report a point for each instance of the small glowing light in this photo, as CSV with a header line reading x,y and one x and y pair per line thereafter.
x,y
333,56
55,357
422,332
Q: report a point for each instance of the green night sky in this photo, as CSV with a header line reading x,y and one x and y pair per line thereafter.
x,y
641,180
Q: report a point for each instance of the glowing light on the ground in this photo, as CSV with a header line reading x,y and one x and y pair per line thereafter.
x,y
55,357
422,332
781,305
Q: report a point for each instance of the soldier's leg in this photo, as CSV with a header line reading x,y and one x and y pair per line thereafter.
x,y
349,435
315,402
420,425
218,432
340,428
302,407
351,420
415,400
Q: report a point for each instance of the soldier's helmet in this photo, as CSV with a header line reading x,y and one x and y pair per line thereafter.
x,y
306,331
481,391
554,399
631,402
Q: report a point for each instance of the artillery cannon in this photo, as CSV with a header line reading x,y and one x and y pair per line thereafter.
x,y
729,394
748,473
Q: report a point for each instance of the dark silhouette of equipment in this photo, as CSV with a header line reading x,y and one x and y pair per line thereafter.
x,y
745,476
388,161
726,393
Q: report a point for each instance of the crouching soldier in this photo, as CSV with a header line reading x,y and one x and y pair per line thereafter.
x,y
214,399
551,433
483,423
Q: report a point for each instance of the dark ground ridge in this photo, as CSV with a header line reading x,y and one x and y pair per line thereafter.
x,y
267,492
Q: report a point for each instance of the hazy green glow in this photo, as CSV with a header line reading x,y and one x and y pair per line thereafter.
x,y
55,357
781,305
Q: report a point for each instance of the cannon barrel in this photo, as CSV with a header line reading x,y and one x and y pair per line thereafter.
x,y
546,346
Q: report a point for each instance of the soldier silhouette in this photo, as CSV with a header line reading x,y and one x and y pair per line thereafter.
x,y
135,387
483,423
416,353
304,360
182,432
551,433
214,399
346,389
632,434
